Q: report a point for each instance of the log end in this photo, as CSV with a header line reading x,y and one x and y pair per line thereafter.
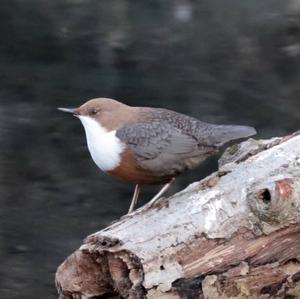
x,y
93,273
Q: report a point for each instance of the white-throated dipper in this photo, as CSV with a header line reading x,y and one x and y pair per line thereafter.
x,y
144,145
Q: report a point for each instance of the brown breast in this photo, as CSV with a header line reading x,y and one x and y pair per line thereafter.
x,y
129,171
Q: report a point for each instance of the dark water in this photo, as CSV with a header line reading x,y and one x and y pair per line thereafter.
x,y
233,62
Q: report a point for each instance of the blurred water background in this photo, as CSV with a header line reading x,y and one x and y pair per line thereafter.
x,y
227,62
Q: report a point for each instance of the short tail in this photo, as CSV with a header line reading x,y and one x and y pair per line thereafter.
x,y
223,134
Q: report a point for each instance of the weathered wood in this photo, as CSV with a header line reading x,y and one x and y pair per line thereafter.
x,y
235,234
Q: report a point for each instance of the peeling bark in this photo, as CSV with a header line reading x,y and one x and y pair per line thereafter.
x,y
235,234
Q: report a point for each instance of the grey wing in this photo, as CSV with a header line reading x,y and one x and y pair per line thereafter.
x,y
159,146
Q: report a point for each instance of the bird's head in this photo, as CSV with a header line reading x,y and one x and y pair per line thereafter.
x,y
109,114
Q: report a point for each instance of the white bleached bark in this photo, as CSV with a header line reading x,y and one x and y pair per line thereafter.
x,y
235,234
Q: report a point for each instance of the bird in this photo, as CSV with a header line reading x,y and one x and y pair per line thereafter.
x,y
145,145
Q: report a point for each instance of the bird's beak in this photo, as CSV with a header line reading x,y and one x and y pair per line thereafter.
x,y
74,111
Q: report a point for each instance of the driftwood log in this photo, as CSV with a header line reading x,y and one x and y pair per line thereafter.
x,y
235,234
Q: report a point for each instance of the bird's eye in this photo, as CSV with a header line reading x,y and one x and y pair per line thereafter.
x,y
94,112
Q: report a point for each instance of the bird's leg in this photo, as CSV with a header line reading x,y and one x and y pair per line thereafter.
x,y
162,191
135,197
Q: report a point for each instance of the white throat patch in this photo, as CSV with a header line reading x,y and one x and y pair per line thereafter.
x,y
105,148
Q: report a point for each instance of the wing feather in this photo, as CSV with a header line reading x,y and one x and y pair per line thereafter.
x,y
150,139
